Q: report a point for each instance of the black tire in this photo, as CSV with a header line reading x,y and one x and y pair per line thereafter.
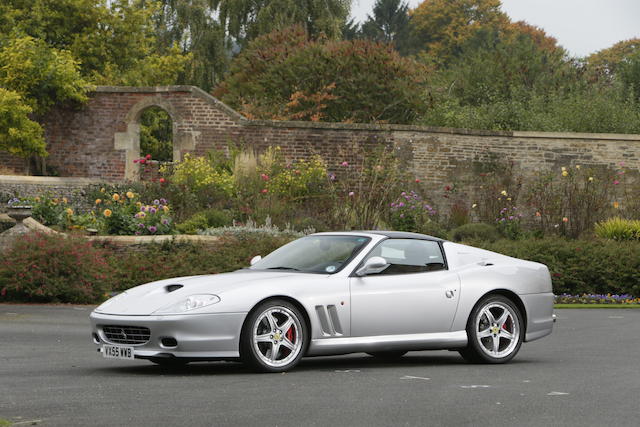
x,y
482,349
388,355
289,345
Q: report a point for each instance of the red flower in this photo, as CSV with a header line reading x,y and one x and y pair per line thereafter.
x,y
162,180
447,188
417,181
148,157
264,191
135,160
143,161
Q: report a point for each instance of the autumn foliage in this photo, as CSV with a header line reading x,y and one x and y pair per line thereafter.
x,y
287,75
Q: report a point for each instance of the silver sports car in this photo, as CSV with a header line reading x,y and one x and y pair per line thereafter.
x,y
383,293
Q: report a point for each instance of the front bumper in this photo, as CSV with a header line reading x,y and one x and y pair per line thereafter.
x,y
198,336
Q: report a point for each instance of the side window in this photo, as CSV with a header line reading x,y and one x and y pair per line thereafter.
x,y
409,256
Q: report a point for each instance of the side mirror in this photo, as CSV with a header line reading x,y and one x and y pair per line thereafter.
x,y
373,265
255,259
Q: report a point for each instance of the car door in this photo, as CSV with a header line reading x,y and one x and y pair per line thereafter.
x,y
415,294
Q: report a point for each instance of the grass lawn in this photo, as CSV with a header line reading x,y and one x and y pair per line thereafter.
x,y
4,423
596,305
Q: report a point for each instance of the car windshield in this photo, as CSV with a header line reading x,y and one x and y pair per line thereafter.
x,y
314,254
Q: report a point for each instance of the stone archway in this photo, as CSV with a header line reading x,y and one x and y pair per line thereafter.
x,y
129,141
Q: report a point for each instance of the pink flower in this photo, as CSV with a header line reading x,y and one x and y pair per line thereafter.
x,y
264,191
345,164
621,163
417,181
616,182
264,177
135,160
148,157
351,194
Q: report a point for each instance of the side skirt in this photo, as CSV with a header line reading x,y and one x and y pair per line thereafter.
x,y
410,342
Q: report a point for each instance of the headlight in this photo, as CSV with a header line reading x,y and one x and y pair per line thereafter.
x,y
191,303
110,301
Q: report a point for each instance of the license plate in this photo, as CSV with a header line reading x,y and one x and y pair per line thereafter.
x,y
115,352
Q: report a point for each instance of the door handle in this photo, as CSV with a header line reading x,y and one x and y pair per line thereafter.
x,y
450,293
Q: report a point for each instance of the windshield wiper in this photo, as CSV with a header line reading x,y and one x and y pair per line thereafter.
x,y
283,268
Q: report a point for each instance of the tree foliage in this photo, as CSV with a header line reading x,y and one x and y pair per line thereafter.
x,y
289,75
42,75
389,23
441,27
248,19
606,62
19,135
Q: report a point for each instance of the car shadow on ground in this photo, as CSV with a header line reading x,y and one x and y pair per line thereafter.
x,y
325,363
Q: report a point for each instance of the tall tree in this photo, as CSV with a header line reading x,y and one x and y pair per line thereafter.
x,y
247,19
192,25
19,135
113,40
604,64
389,23
442,26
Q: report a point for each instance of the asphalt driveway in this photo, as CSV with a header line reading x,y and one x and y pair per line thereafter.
x,y
586,373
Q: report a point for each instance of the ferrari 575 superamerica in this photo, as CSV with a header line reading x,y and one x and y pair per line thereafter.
x,y
380,292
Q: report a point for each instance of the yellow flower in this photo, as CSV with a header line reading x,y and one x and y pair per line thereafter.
x,y
565,173
107,213
475,205
37,199
616,205
564,169
98,201
115,197
509,198
64,200
590,179
102,190
503,192
578,167
130,195
165,208
69,211
138,204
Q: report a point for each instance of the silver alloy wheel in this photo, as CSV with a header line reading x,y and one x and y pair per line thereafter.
x,y
497,329
277,336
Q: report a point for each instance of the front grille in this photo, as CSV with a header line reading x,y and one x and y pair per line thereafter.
x,y
126,334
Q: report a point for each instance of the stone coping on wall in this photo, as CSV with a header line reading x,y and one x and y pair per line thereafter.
x,y
360,126
47,180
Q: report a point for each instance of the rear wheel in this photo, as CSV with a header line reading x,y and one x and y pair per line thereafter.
x,y
388,355
274,337
495,330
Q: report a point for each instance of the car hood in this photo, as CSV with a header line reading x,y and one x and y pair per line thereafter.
x,y
146,299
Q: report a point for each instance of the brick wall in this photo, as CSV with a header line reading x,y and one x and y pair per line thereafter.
x,y
101,140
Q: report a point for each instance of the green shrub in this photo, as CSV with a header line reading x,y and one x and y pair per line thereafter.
x,y
168,260
475,231
51,268
581,266
205,219
6,223
618,229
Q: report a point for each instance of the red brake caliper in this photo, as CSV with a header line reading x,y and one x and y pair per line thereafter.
x,y
290,334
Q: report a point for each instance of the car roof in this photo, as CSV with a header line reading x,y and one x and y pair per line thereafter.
x,y
391,234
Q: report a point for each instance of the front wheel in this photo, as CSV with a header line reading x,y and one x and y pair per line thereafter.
x,y
274,337
495,330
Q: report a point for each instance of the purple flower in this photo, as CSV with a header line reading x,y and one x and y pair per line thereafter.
x,y
141,225
332,177
152,210
156,202
351,194
152,229
345,164
163,201
401,204
143,208
137,233
165,221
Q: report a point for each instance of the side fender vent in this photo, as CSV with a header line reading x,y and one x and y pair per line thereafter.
x,y
171,288
329,320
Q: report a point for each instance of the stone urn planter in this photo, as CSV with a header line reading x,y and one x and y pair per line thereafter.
x,y
19,214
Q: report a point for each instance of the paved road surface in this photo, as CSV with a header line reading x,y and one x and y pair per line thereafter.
x,y
587,373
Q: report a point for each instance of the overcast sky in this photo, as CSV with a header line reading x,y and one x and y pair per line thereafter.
x,y
581,26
